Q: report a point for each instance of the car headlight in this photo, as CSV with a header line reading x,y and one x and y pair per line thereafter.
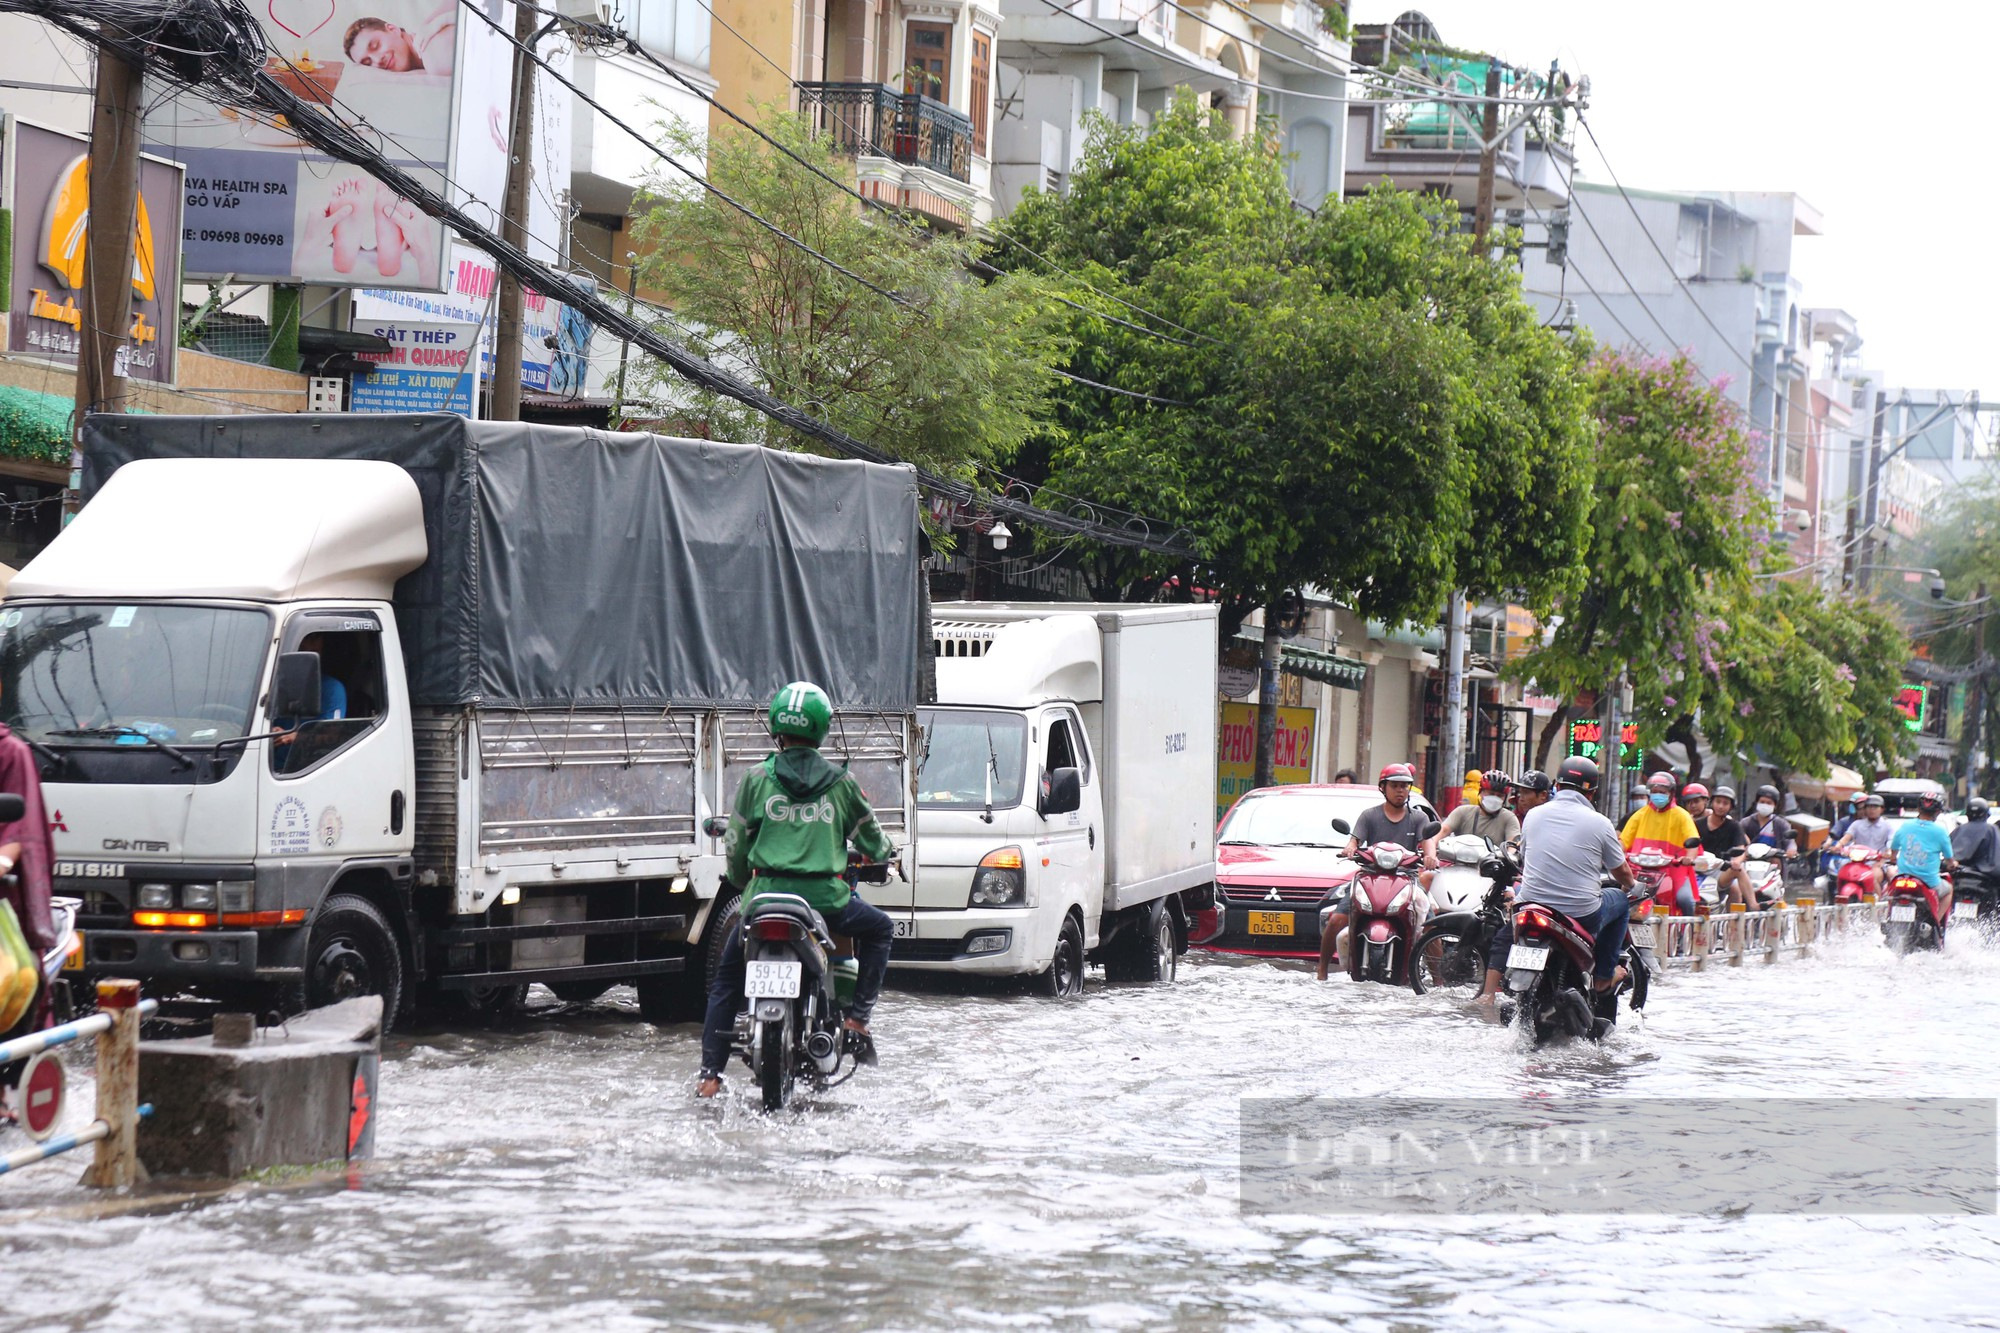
x,y
1001,880
156,895
198,897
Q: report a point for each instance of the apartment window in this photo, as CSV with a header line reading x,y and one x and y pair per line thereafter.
x,y
982,63
927,60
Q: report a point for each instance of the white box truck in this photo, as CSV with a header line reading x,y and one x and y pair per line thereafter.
x,y
1065,795
415,705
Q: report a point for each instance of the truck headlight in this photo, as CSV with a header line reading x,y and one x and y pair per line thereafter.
x,y
1001,880
198,897
156,895
236,897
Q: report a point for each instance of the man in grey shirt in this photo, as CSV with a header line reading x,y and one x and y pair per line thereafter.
x,y
1566,849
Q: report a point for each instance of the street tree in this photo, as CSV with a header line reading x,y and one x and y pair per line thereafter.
x,y
952,373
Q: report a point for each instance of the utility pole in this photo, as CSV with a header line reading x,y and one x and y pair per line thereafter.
x,y
1611,773
107,255
1265,769
1870,500
506,404
1482,209
1975,708
1454,699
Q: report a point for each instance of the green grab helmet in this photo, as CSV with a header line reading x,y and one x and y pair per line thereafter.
x,y
802,710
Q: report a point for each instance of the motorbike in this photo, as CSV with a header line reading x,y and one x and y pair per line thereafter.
x,y
54,1004
1975,900
1458,884
1650,866
1764,865
1387,912
1452,949
1857,877
792,978
1912,921
1548,978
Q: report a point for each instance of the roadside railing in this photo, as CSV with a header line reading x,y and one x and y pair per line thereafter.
x,y
1728,939
115,1130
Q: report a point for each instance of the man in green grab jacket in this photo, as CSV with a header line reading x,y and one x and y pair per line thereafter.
x,y
795,814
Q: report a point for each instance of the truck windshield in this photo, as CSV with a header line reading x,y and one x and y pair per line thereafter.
x,y
960,748
102,674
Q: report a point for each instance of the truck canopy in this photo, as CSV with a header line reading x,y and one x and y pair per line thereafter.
x,y
579,567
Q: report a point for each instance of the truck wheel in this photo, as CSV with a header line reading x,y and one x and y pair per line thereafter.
x,y
1064,978
488,1003
1144,951
682,997
351,951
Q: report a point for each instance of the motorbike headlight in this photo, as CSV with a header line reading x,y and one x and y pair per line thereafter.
x,y
198,897
1402,900
156,895
1001,880
1389,858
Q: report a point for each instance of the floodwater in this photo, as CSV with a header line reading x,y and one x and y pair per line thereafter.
x,y
1024,1163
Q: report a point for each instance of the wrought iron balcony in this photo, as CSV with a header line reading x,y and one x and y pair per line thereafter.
x,y
872,119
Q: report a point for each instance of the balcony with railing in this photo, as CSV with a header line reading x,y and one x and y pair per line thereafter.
x,y
874,120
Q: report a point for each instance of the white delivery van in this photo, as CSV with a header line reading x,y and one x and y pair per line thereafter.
x,y
1065,798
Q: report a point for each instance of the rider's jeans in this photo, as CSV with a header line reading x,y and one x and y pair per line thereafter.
x,y
870,928
1606,928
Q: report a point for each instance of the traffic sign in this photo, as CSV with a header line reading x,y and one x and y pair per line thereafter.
x,y
41,1093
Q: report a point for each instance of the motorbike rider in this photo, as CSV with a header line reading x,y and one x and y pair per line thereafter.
x,y
1662,826
1489,818
1394,821
1764,824
1923,849
1567,848
795,814
1870,830
1530,791
1721,837
1975,845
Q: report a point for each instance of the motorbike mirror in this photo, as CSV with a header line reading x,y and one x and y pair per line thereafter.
x,y
715,826
1692,842
13,806
1341,826
1431,830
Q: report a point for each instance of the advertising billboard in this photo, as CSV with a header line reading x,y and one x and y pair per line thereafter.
x,y
263,205
1236,757
1586,738
47,175
426,369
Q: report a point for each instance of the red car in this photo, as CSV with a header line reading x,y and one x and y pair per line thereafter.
x,y
1279,862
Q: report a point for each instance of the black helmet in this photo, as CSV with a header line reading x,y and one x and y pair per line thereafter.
x,y
1930,803
1977,808
1534,780
1578,774
1768,790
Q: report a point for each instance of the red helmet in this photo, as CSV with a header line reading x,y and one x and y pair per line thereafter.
x,y
1494,779
1694,789
1661,779
1397,773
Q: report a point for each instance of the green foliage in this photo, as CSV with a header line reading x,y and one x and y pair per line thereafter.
x,y
1672,523
956,375
1369,404
35,426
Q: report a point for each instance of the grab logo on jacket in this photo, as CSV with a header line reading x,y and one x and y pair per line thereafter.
x,y
781,811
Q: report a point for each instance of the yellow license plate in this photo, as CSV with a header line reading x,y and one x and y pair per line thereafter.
x,y
1270,923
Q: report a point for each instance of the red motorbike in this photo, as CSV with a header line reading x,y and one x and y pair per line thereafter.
x,y
1914,920
1387,913
1859,876
1548,977
1650,866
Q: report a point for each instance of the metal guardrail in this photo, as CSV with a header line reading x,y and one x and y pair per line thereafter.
x,y
1729,938
116,1027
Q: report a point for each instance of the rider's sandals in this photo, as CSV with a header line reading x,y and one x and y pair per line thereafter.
x,y
857,1040
708,1087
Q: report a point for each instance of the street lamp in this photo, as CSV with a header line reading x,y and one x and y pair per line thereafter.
x,y
1936,577
1001,535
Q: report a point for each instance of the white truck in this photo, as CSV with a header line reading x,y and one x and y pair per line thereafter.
x,y
1065,797
417,706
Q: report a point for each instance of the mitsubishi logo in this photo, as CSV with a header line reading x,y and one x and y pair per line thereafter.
x,y
1272,897
56,824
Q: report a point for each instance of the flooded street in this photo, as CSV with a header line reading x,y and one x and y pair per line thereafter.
x,y
1019,1162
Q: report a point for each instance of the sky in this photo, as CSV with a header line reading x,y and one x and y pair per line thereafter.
x,y
1881,116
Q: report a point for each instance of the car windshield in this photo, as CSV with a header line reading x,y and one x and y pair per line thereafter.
x,y
961,749
102,674
1299,819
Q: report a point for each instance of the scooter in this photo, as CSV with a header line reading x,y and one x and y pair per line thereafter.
x,y
1857,877
1913,920
1975,901
1387,912
1764,865
1458,884
1453,947
1548,978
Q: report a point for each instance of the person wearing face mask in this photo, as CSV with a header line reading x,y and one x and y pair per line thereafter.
x,y
1662,826
1870,830
1764,824
1489,818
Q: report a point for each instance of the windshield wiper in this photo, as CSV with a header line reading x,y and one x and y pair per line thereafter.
x,y
1300,844
179,755
54,756
992,772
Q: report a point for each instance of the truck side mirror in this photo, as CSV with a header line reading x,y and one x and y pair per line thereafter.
x,y
13,806
1065,793
715,826
295,686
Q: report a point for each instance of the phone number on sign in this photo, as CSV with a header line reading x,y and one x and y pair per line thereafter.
x,y
238,237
